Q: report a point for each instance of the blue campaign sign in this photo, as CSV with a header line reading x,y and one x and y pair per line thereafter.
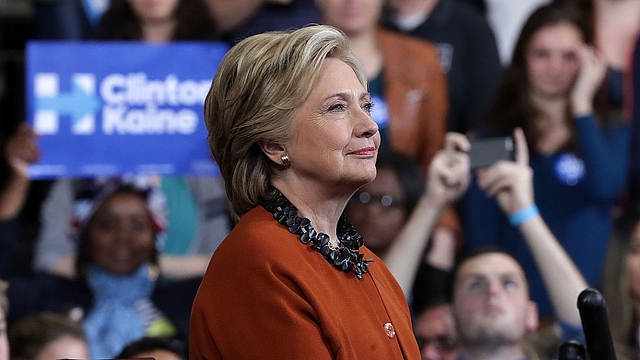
x,y
113,108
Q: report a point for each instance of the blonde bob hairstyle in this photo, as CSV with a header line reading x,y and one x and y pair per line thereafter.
x,y
258,87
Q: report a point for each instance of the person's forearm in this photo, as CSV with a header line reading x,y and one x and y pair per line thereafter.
x,y
65,267
183,267
561,277
406,251
443,249
13,196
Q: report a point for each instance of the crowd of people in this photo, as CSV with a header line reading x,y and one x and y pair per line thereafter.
x,y
346,221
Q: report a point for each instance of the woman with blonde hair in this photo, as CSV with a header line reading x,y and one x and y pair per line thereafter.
x,y
409,88
289,124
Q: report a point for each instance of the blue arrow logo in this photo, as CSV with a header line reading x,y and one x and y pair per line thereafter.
x,y
77,103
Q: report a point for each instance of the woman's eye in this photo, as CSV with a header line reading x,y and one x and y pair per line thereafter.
x,y
337,107
634,249
540,54
106,226
140,226
570,56
367,107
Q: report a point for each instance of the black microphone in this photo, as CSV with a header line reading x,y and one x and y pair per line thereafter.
x,y
572,350
595,325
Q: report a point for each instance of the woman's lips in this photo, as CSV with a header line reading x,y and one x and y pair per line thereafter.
x,y
369,151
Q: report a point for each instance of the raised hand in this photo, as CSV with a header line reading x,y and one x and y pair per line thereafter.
x,y
592,71
22,149
448,176
510,182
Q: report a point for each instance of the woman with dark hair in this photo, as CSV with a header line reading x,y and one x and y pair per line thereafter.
x,y
119,294
616,25
578,154
166,20
523,89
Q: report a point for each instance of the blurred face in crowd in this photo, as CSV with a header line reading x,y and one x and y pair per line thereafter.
x,y
491,303
121,233
553,60
436,333
155,11
633,263
66,347
159,354
4,340
335,142
377,210
351,16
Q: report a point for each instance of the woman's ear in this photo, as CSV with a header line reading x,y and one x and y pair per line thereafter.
x,y
274,151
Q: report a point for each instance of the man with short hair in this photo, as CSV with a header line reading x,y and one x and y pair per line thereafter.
x,y
492,308
489,292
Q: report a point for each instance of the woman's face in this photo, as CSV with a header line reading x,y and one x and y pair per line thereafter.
x,y
159,354
552,60
154,11
351,16
335,143
633,263
66,347
377,211
121,234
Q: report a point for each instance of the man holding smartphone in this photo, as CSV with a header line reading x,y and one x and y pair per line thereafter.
x,y
489,292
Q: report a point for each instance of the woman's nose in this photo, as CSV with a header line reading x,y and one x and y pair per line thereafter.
x,y
365,126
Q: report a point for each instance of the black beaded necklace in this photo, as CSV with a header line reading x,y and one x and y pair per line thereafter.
x,y
345,257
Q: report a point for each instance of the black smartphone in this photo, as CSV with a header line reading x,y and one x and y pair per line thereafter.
x,y
486,152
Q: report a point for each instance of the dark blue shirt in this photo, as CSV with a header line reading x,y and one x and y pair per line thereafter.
x,y
575,195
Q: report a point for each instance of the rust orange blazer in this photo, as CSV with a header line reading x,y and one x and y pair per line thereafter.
x,y
266,295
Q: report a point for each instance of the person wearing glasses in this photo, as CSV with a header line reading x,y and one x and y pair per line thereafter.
x,y
396,214
435,331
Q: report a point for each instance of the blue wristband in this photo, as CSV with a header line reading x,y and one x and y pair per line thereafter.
x,y
524,215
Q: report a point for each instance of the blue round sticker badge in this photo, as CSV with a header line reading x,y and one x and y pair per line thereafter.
x,y
379,112
569,169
